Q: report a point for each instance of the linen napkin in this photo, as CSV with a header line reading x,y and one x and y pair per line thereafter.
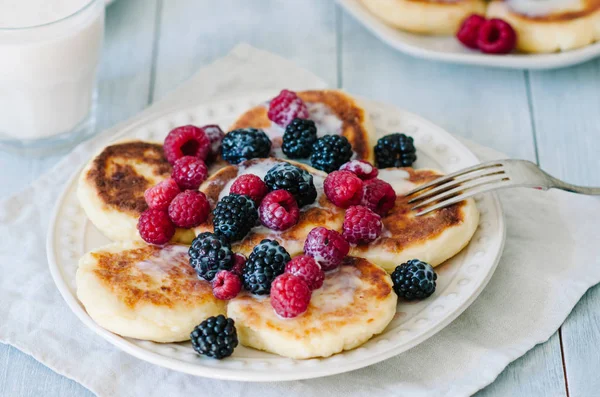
x,y
550,259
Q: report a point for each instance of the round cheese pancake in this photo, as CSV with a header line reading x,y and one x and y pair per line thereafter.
x,y
354,303
334,113
550,25
145,292
112,185
437,17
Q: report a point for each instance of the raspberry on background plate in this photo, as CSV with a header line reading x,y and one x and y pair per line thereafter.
x,y
290,295
361,225
160,195
496,36
469,30
189,172
155,227
343,188
187,140
327,247
285,107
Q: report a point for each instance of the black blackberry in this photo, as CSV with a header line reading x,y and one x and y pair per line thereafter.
x,y
298,138
414,279
267,261
395,150
245,144
215,337
234,216
330,152
293,179
209,254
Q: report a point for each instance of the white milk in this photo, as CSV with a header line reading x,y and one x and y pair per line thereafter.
x,y
49,52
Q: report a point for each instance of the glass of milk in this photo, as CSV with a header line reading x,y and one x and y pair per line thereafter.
x,y
49,55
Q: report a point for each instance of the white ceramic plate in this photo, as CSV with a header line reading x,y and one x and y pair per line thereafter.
x,y
448,49
460,280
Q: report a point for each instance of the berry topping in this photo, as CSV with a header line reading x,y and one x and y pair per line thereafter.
x,y
245,144
330,152
414,279
186,141
395,150
189,172
239,261
155,227
189,209
210,253
234,216
378,196
279,210
290,296
267,261
215,135
285,107
361,225
215,337
343,188
361,168
327,247
293,179
496,37
469,30
250,185
226,285
307,269
160,195
298,138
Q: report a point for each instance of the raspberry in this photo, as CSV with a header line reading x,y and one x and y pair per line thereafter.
x,y
469,30
226,285
290,295
186,141
215,135
496,37
189,172
378,196
239,261
361,225
189,209
250,185
279,210
343,188
155,227
361,168
328,247
160,195
285,107
307,269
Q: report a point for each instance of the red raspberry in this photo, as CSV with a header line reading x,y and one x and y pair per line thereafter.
x,y
160,196
290,296
343,188
215,135
251,186
226,285
189,172
186,141
361,168
378,196
328,247
361,225
155,227
239,262
469,30
279,210
285,107
307,269
496,37
189,209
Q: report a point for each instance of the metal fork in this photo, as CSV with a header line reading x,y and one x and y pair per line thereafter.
x,y
452,188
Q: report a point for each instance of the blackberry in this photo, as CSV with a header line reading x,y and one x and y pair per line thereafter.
x,y
210,254
215,337
234,216
414,279
330,152
395,150
267,261
293,179
245,144
298,138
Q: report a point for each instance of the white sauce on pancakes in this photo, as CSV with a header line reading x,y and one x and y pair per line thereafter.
x,y
158,266
540,8
338,290
398,178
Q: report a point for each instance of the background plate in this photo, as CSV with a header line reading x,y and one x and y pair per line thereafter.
x,y
460,280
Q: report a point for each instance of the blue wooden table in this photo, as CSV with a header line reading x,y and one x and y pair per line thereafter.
x,y
550,117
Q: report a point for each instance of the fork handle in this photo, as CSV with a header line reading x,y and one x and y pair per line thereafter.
x,y
591,191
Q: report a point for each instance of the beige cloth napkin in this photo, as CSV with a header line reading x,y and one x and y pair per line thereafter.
x,y
551,258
